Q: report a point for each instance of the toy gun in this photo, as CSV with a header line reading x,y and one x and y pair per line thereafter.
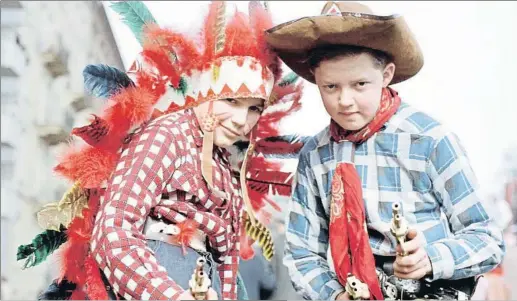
x,y
399,226
356,289
199,283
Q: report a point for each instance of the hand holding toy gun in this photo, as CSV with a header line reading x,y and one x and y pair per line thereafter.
x,y
200,282
399,226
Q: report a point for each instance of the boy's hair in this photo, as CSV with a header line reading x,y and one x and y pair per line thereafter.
x,y
329,52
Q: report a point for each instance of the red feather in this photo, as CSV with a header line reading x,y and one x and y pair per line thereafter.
x,y
136,104
208,32
269,122
264,175
72,262
246,250
277,147
187,229
259,198
90,166
132,106
281,93
94,132
239,38
258,189
264,187
95,288
75,251
118,123
162,60
151,82
185,49
260,21
260,163
244,36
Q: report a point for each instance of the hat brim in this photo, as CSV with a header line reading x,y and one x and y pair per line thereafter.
x,y
293,40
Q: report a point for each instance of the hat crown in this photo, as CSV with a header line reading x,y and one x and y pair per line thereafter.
x,y
332,8
347,23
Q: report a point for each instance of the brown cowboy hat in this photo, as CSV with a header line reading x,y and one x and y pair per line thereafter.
x,y
347,23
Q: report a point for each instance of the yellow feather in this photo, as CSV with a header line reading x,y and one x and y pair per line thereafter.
x,y
258,232
71,205
219,27
216,70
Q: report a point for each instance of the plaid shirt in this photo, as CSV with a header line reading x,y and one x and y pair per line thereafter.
x,y
159,173
413,160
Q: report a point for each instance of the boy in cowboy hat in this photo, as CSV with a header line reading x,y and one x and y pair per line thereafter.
x,y
377,151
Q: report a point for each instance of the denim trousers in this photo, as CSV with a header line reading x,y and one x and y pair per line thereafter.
x,y
180,266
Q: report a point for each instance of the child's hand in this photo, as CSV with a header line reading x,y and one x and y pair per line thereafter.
x,y
416,264
343,296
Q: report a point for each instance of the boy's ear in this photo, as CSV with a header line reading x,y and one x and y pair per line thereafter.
x,y
387,74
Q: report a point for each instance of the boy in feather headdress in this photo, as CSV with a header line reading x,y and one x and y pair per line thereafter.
x,y
378,153
166,194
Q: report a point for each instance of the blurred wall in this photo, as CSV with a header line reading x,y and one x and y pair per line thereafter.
x,y
45,46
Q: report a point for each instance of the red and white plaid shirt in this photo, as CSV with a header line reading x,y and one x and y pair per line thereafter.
x,y
159,174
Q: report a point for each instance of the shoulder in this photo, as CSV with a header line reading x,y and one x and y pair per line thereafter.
x,y
314,142
423,133
172,122
417,123
170,131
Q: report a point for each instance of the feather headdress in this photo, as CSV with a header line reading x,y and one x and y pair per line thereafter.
x,y
231,59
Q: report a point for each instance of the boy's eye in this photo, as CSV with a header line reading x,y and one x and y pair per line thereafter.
x,y
230,100
362,84
256,109
330,87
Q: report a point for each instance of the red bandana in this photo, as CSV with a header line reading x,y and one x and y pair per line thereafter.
x,y
349,241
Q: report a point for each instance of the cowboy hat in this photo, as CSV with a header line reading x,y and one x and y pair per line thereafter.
x,y
347,23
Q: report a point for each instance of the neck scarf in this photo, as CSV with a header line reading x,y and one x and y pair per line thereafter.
x,y
348,236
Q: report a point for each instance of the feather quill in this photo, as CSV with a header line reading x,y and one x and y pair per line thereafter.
x,y
103,81
42,246
135,15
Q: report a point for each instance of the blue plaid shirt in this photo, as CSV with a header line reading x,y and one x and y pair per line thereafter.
x,y
413,160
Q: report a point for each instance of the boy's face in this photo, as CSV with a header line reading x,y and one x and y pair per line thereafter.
x,y
236,116
351,87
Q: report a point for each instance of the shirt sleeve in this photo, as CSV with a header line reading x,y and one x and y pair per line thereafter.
x,y
118,244
307,239
477,245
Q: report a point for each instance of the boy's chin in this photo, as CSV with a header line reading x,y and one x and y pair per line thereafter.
x,y
352,126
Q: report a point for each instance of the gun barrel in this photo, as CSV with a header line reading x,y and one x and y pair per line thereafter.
x,y
199,270
200,262
396,208
199,278
397,220
198,282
